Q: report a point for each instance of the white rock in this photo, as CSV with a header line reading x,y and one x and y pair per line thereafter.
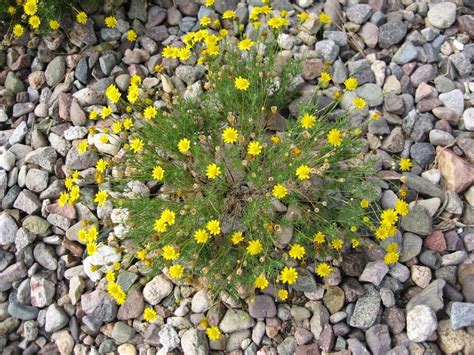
x,y
200,302
468,119
157,289
442,15
421,323
8,229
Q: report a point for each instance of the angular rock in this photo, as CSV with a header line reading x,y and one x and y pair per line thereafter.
x,y
421,323
366,309
431,296
457,174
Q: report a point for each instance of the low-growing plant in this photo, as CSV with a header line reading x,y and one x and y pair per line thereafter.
x,y
224,188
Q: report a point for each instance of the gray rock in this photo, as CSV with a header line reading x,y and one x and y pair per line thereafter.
x,y
423,186
122,332
374,272
391,33
138,10
462,315
5,259
418,221
327,50
439,137
305,282
56,318
77,161
262,306
453,100
194,342
431,296
405,54
36,180
45,256
371,93
188,73
168,338
422,153
23,108
99,305
423,74
20,311
442,15
28,202
235,320
8,229
319,319
18,134
14,84
378,339
421,323
108,35
55,70
287,346
366,309
411,246
462,64
359,13
44,157
157,289
468,119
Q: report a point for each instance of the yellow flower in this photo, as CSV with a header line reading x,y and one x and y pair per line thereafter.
x,y
169,252
101,165
149,314
117,127
30,7
93,114
254,148
375,116
82,147
136,144
241,84
213,171
54,25
209,3
297,251
308,121
81,17
135,79
323,269
11,10
101,197
127,123
112,93
131,36
74,195
91,248
302,172
277,22
337,244
176,271
401,207
279,191
110,276
201,236
18,30
133,94
325,77
34,22
389,217
237,237
254,247
324,18
381,233
229,14
275,139
351,83
334,137
110,22
223,33
246,44
106,112
261,282
205,21
392,248
184,145
303,16
213,333
283,294
319,238
391,258
214,227
150,112
168,217
160,225
364,203
288,275
405,164
63,198
359,103
158,173
355,242
230,135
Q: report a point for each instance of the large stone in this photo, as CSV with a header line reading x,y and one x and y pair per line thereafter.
x,y
55,70
374,272
194,342
262,306
366,309
462,315
450,340
8,229
44,157
235,320
442,15
431,296
391,33
157,289
378,339
418,221
457,174
421,323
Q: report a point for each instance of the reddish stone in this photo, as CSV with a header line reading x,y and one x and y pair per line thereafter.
x,y
67,211
426,105
447,114
64,106
457,174
311,349
443,125
435,241
312,68
75,248
425,91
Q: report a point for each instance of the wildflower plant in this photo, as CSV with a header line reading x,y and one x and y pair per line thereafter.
x,y
227,189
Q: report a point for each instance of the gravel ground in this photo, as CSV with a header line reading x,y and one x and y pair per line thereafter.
x,y
413,61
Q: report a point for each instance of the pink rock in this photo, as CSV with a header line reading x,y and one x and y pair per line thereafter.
x,y
457,174
67,211
311,349
447,114
435,241
425,91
